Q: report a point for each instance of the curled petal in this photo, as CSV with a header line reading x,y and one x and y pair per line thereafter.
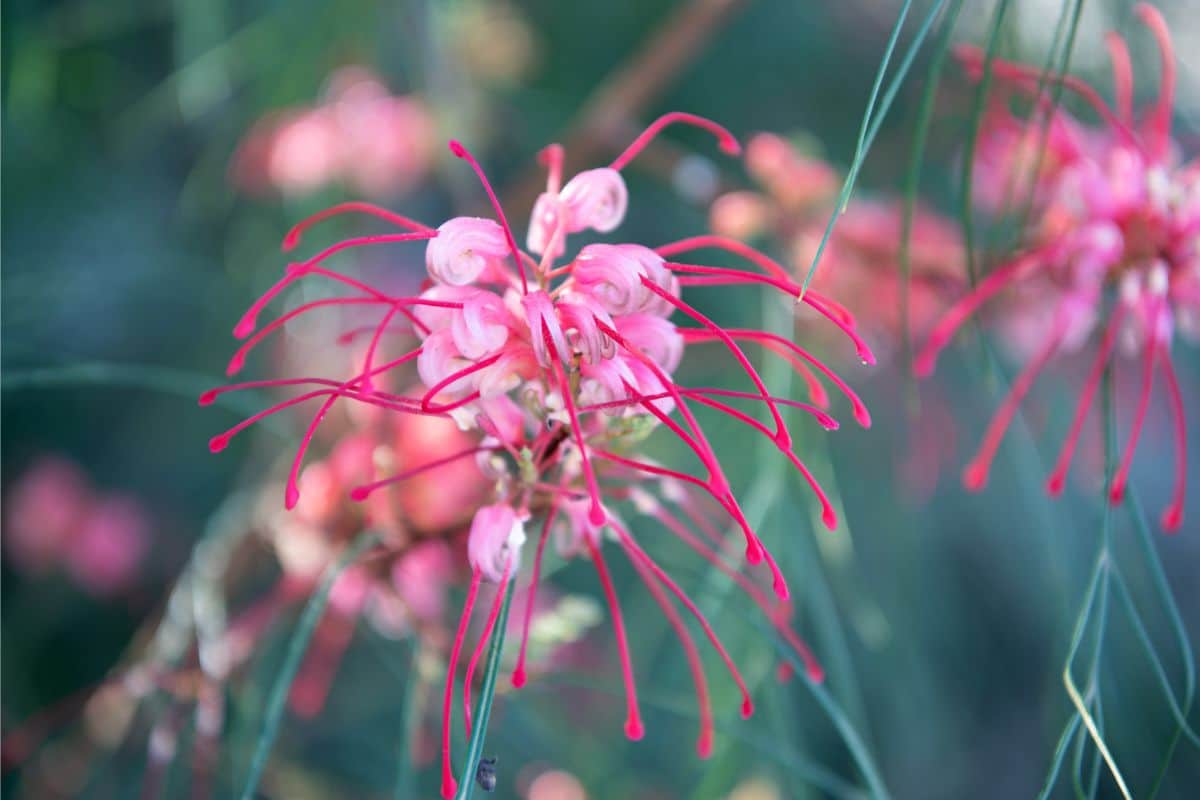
x,y
480,328
547,226
541,317
440,359
463,249
655,336
595,199
579,314
611,274
494,543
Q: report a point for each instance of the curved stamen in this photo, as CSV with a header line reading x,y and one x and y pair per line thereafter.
x,y
482,643
1057,479
1118,53
1172,517
636,550
1161,121
827,422
294,272
975,474
456,376
360,493
704,740
634,729
239,358
551,157
457,148
788,288
596,513
782,434
293,236
1030,80
518,674
449,784
861,414
943,332
726,140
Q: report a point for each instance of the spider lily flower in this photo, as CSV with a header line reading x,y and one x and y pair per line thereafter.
x,y
563,368
1114,254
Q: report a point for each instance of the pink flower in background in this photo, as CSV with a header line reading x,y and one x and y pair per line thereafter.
x,y
360,134
861,264
1113,252
563,370
55,519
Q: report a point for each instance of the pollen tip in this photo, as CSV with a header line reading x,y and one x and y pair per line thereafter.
x,y
922,366
975,476
634,730
866,356
704,745
290,241
1055,484
597,515
518,677
449,787
731,146
245,326
747,707
208,398
218,443
783,672
1116,494
235,365
779,585
1172,518
754,553
360,493
457,148
815,673
862,416
830,518
290,497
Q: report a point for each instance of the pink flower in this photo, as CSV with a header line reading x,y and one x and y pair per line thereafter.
x,y
1113,253
376,142
564,369
55,519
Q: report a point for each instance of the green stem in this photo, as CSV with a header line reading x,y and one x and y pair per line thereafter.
x,y
295,654
410,719
466,779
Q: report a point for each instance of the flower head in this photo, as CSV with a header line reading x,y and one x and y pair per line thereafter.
x,y
1114,251
563,369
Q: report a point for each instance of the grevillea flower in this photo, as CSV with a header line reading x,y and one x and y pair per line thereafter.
x,y
55,519
861,263
1114,251
376,142
564,368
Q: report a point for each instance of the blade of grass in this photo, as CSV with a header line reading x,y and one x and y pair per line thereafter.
x,y
912,180
798,766
483,711
295,654
845,728
968,162
1160,672
1060,751
871,123
410,719
137,376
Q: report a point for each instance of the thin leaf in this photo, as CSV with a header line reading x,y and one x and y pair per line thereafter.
x,y
871,123
295,654
136,376
466,780
912,181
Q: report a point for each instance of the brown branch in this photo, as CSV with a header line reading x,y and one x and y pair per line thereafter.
x,y
609,113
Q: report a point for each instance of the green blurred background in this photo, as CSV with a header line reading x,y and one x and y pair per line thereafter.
x,y
128,255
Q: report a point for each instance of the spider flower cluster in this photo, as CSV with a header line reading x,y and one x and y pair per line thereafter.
x,y
562,365
1113,252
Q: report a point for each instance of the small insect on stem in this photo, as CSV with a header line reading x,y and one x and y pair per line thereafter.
x,y
485,774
